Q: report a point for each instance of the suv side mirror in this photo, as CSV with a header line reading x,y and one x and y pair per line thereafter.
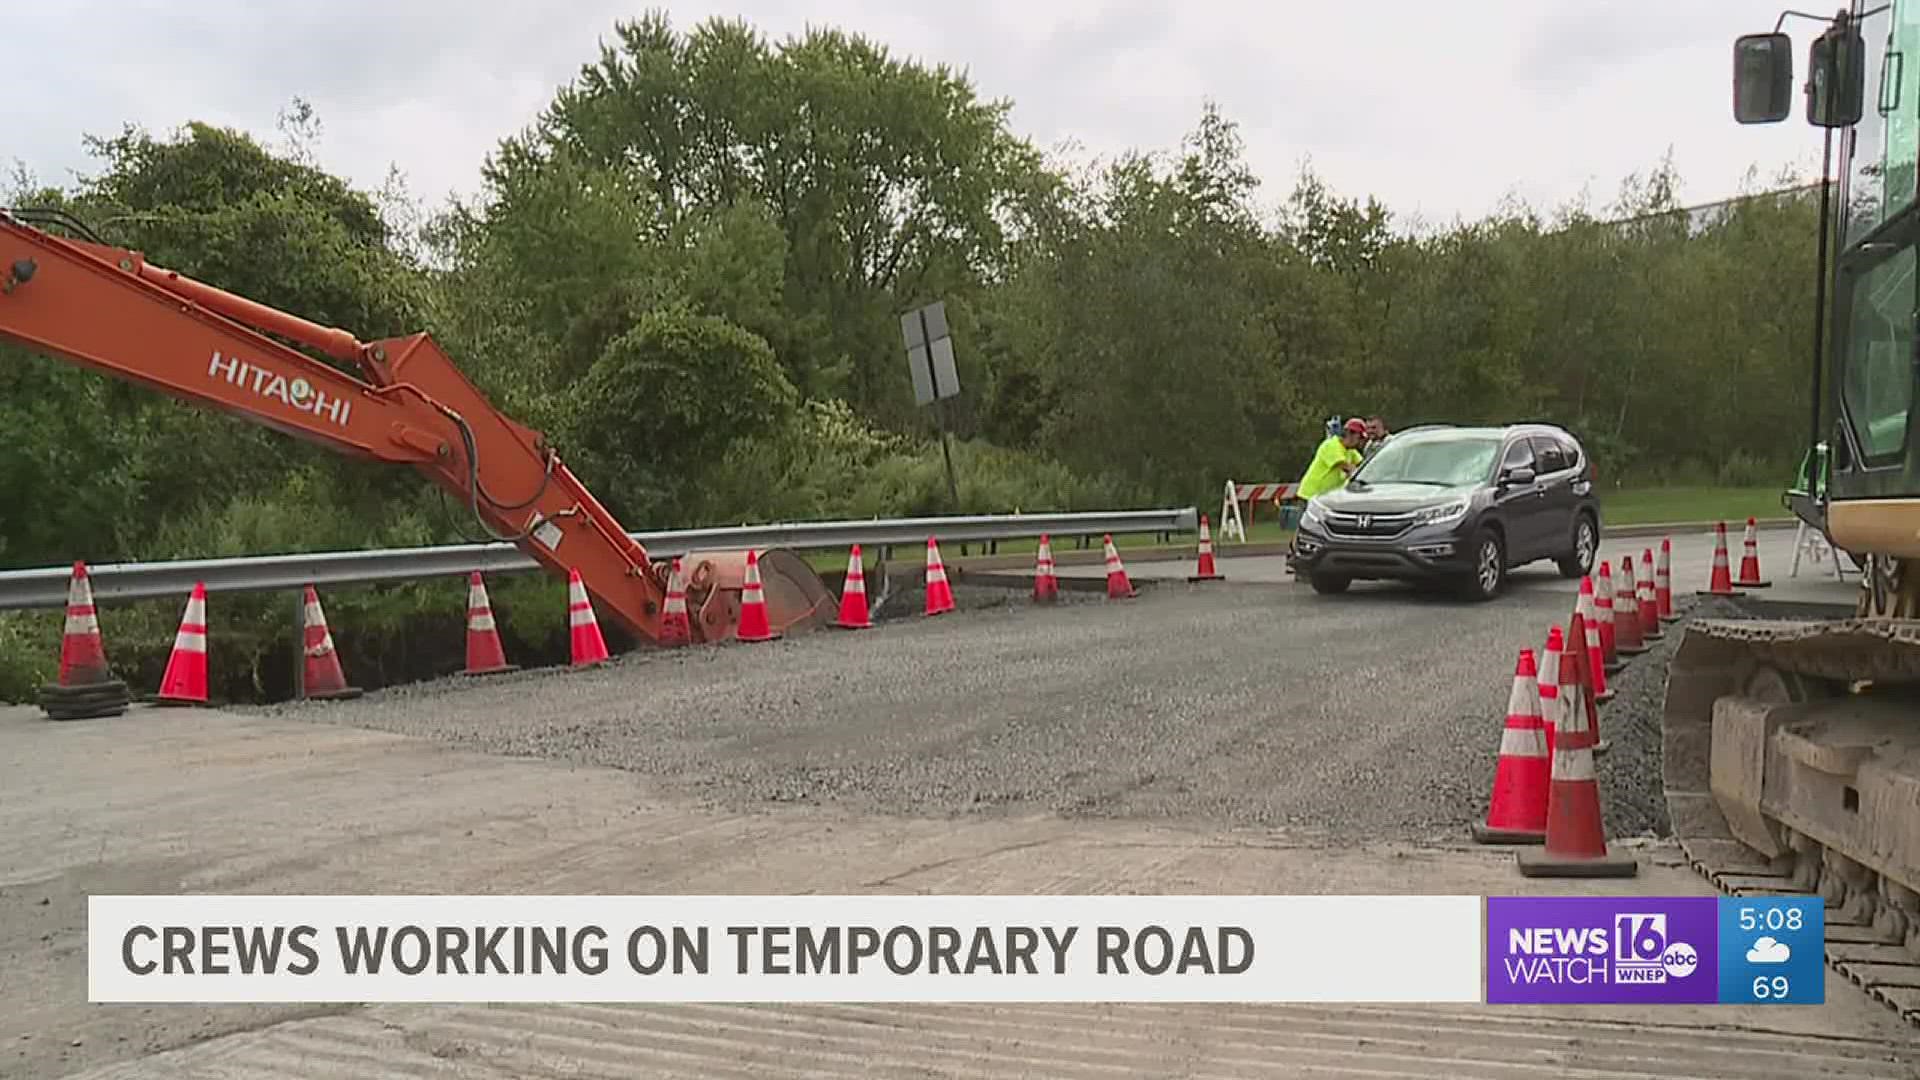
x,y
1516,477
1762,78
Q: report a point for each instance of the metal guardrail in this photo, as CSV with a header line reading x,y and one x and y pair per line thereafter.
x,y
46,587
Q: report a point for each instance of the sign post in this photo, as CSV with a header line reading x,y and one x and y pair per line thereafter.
x,y
930,363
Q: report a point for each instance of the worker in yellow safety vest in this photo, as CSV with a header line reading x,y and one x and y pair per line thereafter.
x,y
1335,460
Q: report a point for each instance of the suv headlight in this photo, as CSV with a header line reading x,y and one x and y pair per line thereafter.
x,y
1315,512
1440,515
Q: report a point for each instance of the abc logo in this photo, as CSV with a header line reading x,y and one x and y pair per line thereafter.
x,y
1680,960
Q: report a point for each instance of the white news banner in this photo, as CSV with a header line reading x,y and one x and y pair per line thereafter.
x,y
784,948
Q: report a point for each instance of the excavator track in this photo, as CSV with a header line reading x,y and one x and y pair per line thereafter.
x,y
1791,758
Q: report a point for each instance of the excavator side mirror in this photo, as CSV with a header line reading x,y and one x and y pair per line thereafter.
x,y
1762,78
1837,78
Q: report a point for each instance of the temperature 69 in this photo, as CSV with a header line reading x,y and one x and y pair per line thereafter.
x,y
1767,987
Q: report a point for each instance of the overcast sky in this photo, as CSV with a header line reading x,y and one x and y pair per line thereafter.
x,y
1439,109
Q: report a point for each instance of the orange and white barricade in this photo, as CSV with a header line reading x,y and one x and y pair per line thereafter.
x,y
1231,523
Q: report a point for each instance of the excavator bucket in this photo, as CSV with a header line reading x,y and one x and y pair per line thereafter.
x,y
798,601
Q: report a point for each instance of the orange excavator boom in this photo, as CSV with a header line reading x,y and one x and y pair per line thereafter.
x,y
110,310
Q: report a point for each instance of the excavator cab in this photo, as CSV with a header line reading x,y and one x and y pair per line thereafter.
x,y
1790,749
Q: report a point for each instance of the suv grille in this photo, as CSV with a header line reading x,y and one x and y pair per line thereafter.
x,y
1376,526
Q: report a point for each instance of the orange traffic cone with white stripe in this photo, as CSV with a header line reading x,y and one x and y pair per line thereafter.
x,y
1206,571
1603,615
485,654
85,687
1720,583
583,628
854,614
1586,640
1626,613
322,679
1118,587
1663,581
1517,810
1649,599
1548,684
676,625
83,652
754,624
939,591
185,680
1750,560
1046,584
1576,835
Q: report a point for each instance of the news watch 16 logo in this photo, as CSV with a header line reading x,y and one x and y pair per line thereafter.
x,y
1615,950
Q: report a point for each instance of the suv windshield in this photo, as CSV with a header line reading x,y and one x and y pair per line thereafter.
x,y
1436,460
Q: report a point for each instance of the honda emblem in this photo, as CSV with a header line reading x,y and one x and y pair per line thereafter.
x,y
1364,521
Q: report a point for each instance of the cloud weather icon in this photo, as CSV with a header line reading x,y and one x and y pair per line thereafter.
x,y
1768,951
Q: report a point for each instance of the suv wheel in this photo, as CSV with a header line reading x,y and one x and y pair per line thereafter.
x,y
1489,573
1578,563
1329,584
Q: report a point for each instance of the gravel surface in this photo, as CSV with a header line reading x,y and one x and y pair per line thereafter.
x,y
1374,714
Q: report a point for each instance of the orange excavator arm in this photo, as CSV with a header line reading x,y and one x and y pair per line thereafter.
x,y
110,310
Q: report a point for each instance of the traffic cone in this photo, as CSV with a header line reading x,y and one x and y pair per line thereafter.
x,y
1576,836
1649,599
1603,614
1046,585
1549,684
1205,571
1583,635
1663,581
1517,810
322,678
589,648
485,654
1750,560
939,591
1118,587
676,626
1626,613
754,624
83,652
1721,583
185,680
853,596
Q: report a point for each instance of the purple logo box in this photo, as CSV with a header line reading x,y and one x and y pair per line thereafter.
x,y
1602,950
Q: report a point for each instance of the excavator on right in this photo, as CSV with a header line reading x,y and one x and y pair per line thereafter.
x,y
1792,743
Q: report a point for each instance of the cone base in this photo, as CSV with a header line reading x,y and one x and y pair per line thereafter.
x,y
1613,667
499,670
1207,577
1653,635
1604,696
85,701
1715,592
1761,584
1630,650
842,624
1602,747
1543,863
1669,619
755,639
582,665
345,693
166,702
1484,834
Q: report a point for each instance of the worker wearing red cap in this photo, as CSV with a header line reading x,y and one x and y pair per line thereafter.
x,y
1335,460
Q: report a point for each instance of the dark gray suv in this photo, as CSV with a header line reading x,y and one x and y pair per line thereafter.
x,y
1459,506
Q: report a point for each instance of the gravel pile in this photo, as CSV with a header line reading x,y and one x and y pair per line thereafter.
x,y
1376,714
